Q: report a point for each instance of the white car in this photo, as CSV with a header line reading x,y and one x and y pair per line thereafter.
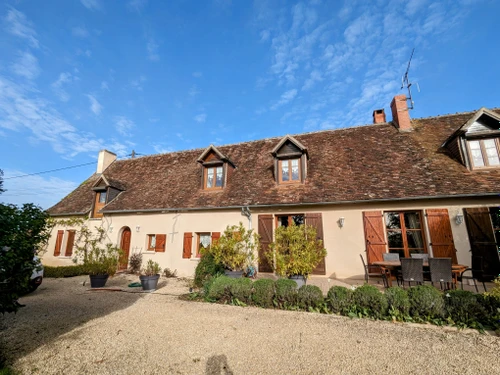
x,y
36,276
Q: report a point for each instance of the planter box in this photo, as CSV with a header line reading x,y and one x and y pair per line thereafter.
x,y
149,282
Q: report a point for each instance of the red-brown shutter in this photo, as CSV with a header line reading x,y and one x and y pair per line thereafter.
x,y
316,221
70,243
374,236
438,222
266,237
57,249
188,245
215,236
161,240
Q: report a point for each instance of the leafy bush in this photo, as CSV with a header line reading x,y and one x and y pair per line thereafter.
x,y
152,268
463,308
369,301
286,293
495,292
206,269
241,289
219,289
491,309
64,271
309,297
339,300
263,292
168,273
135,263
398,303
426,302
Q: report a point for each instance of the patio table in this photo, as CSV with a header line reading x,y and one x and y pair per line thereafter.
x,y
390,266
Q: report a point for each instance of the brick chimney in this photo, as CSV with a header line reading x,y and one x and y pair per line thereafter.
x,y
105,159
400,113
379,116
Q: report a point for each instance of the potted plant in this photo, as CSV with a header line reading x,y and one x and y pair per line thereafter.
x,y
101,263
150,275
295,252
235,249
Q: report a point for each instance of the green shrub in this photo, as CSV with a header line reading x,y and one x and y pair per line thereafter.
x,y
64,271
241,289
207,267
491,310
463,308
263,292
398,303
339,300
369,301
286,293
309,297
219,289
426,302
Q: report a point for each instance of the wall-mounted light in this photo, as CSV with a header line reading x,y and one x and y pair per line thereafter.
x,y
110,230
341,221
137,228
459,219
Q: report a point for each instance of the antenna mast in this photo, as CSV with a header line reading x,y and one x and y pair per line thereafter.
x,y
405,82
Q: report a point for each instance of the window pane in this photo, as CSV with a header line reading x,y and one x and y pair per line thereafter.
x,y
412,220
102,197
491,152
210,177
204,240
395,239
414,238
392,220
218,180
298,219
477,157
295,169
152,241
283,221
284,170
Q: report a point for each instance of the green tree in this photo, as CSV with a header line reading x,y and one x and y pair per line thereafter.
x,y
24,231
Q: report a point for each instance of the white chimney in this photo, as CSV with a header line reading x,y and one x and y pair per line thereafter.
x,y
105,159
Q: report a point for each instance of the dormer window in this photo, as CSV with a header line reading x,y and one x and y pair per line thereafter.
x,y
100,202
215,168
290,161
484,153
214,177
106,189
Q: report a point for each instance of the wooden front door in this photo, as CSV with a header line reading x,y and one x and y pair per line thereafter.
x,y
266,237
438,222
125,246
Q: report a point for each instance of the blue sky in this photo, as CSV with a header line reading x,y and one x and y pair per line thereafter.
x,y
77,76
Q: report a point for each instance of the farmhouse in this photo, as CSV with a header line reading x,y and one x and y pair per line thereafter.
x,y
429,185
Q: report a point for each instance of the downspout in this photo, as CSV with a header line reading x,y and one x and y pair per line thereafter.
x,y
245,211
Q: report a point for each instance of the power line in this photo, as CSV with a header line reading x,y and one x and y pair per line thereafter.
x,y
52,170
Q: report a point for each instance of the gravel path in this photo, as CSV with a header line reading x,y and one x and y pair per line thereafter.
x,y
67,329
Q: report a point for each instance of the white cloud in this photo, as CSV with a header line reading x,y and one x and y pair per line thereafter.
x,y
197,74
138,83
80,32
264,35
162,149
152,48
136,5
194,91
285,98
95,106
314,77
104,86
18,25
57,86
201,118
86,52
26,65
92,4
123,125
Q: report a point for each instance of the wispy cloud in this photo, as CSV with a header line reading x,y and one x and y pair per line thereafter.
x,y
92,4
152,48
80,32
136,5
123,125
194,91
104,85
201,118
314,77
95,106
264,35
197,74
18,25
162,148
138,83
58,86
285,98
26,65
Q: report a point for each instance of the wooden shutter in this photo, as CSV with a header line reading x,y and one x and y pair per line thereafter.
x,y
374,236
97,205
188,245
265,229
59,238
70,243
161,240
215,236
438,222
482,239
316,221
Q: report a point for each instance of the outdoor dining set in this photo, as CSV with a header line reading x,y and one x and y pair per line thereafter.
x,y
418,269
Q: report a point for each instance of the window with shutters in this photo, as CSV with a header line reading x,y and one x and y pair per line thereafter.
x,y
151,242
405,235
286,220
484,153
156,242
204,241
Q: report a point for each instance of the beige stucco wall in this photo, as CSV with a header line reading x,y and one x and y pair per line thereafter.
x,y
343,244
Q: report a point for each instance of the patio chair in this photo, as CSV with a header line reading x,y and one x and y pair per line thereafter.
x,y
379,274
391,257
424,257
412,270
440,269
476,273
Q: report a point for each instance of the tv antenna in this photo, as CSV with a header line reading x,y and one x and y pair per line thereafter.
x,y
134,154
405,82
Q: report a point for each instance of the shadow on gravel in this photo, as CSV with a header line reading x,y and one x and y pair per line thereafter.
x,y
217,365
58,306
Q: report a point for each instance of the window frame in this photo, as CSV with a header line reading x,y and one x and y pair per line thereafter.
x,y
206,169
198,238
483,152
97,203
403,230
150,237
280,170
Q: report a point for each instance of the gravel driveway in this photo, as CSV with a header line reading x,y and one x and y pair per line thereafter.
x,y
67,329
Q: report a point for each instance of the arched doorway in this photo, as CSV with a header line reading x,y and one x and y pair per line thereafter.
x,y
125,246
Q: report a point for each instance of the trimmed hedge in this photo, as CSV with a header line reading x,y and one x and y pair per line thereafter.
x,y
398,303
286,293
63,271
426,302
369,302
309,297
339,300
207,267
263,292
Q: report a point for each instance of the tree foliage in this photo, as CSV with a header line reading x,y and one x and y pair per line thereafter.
x,y
24,232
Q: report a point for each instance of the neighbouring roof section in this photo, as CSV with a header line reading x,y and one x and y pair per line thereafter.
x,y
374,162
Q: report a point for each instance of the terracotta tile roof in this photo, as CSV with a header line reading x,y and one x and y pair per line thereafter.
x,y
373,162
